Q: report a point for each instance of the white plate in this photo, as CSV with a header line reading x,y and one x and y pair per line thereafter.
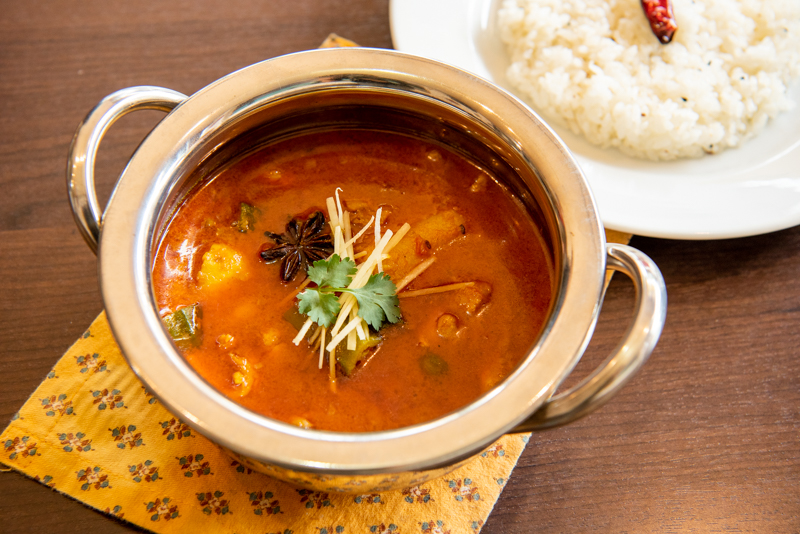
x,y
750,190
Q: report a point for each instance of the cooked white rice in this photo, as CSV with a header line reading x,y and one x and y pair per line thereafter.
x,y
595,66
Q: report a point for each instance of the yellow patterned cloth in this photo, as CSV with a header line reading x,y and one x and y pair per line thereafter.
x,y
91,430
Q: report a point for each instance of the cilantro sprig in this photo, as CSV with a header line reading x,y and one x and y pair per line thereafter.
x,y
377,299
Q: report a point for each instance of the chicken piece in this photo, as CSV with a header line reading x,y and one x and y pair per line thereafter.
x,y
473,299
479,184
360,213
226,341
281,355
499,366
490,378
245,376
271,337
302,422
447,326
423,240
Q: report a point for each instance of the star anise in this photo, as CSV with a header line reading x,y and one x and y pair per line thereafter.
x,y
301,245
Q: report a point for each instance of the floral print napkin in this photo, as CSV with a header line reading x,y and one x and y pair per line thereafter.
x,y
92,431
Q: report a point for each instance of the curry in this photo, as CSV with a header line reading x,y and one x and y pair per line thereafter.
x,y
459,286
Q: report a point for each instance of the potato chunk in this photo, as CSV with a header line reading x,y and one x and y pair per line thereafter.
x,y
221,263
422,241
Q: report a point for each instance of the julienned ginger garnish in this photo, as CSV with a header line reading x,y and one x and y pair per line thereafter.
x,y
348,296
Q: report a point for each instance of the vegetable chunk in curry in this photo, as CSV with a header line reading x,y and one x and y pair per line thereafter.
x,y
353,281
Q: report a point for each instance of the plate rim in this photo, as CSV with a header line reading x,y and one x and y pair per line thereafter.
x,y
470,21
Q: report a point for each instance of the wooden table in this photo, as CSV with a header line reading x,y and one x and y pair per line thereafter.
x,y
705,438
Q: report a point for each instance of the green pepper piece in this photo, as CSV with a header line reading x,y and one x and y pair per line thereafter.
x,y
247,218
294,318
184,326
297,320
433,364
348,359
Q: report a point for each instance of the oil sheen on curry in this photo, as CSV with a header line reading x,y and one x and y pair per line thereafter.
x,y
353,281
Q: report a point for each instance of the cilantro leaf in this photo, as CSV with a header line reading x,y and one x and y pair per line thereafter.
x,y
320,307
378,299
334,272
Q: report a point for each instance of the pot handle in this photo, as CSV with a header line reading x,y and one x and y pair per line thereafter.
x,y
83,150
626,359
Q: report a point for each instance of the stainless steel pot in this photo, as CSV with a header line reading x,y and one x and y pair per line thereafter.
x,y
340,88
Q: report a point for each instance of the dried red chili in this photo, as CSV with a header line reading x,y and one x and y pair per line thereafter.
x,y
662,20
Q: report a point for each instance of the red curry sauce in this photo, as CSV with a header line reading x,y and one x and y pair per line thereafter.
x,y
481,333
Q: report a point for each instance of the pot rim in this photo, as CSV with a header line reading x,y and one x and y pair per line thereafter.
x,y
130,226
